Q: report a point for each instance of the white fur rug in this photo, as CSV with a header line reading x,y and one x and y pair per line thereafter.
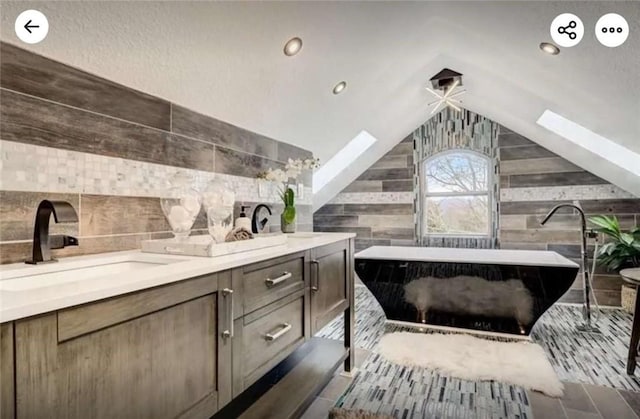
x,y
466,357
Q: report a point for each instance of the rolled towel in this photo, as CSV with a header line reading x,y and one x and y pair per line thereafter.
x,y
237,234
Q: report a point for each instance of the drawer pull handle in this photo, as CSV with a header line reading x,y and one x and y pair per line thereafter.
x,y
285,328
226,292
315,284
275,281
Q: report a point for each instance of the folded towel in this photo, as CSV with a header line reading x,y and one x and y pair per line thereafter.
x,y
237,234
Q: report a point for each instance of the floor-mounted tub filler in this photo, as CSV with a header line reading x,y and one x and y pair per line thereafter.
x,y
588,325
489,290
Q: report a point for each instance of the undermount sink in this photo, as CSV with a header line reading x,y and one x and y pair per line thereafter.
x,y
40,276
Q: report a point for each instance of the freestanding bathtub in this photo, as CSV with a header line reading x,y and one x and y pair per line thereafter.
x,y
491,290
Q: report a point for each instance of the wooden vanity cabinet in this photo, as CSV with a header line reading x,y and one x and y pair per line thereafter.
x,y
159,353
331,278
182,350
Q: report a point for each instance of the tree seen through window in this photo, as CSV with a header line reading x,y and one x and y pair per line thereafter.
x,y
456,194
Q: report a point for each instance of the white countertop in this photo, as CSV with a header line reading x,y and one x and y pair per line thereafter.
x,y
480,256
56,294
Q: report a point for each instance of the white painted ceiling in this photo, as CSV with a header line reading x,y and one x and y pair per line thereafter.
x,y
226,60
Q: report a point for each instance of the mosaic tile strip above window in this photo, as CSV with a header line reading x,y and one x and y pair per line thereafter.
x,y
454,130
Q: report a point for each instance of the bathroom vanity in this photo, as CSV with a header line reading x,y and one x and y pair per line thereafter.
x,y
175,336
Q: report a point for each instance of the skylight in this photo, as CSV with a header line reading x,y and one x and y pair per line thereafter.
x,y
342,159
589,140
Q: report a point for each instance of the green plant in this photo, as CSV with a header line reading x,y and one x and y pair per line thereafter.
x,y
289,213
291,170
623,250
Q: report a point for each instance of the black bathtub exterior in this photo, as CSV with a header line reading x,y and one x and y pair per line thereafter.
x,y
505,298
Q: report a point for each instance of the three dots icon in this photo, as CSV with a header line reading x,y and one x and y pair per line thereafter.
x,y
612,30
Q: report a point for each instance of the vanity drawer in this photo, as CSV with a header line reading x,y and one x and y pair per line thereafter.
x,y
268,281
269,338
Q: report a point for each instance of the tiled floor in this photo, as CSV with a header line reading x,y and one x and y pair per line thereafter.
x,y
415,393
598,359
581,401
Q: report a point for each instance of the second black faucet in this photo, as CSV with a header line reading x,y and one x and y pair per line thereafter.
x,y
259,226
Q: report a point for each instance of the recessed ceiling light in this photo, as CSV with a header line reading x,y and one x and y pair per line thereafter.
x,y
339,87
549,48
293,46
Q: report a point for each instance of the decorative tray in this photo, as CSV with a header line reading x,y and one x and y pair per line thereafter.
x,y
204,245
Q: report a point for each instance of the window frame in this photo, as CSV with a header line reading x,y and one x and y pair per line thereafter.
x,y
424,195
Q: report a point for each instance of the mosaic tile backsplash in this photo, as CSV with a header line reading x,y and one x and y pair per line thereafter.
x,y
26,167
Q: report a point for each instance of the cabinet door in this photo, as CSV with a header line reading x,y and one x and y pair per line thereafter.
x,y
329,283
152,354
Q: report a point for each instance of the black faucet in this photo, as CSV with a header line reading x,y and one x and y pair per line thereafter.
x,y
258,226
63,212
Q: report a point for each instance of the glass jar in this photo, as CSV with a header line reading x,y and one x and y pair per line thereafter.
x,y
219,222
181,204
218,200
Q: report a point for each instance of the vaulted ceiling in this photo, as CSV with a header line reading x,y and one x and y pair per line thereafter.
x,y
226,60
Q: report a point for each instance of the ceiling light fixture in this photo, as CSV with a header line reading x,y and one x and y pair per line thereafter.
x,y
292,47
549,48
338,88
447,81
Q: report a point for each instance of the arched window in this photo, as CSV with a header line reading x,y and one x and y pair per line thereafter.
x,y
455,193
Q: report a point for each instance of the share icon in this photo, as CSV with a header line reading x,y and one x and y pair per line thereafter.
x,y
571,34
566,30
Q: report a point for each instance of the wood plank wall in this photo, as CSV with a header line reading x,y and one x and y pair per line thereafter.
x,y
378,206
533,180
74,121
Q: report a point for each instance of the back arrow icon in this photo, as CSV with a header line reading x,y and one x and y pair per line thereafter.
x,y
28,26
